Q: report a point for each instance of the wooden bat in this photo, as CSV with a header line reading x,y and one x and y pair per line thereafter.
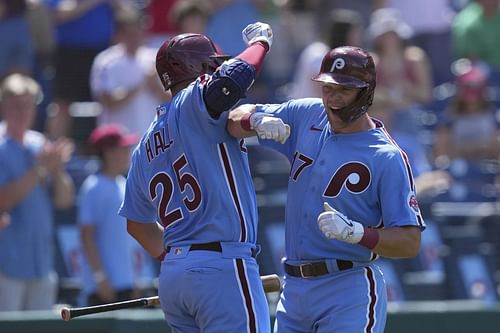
x,y
271,283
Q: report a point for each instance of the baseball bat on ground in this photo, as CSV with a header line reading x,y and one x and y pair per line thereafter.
x,y
271,283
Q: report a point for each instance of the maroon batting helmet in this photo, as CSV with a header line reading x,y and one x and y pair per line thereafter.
x,y
351,67
185,57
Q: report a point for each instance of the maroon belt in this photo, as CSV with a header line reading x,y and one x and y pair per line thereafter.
x,y
314,269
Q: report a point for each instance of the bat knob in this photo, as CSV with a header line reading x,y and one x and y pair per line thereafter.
x,y
65,314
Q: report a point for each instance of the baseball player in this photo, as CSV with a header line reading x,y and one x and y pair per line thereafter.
x,y
193,178
351,198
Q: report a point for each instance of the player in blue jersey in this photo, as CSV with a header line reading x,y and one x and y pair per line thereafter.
x,y
351,198
193,178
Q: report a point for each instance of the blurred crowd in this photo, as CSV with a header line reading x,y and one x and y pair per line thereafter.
x,y
78,86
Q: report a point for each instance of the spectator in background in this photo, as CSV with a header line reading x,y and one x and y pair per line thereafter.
x,y
475,32
190,16
123,77
160,27
430,21
16,52
428,182
364,8
227,20
83,29
32,182
103,232
343,28
470,129
403,73
42,31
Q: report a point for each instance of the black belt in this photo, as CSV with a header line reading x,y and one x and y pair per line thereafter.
x,y
213,246
315,268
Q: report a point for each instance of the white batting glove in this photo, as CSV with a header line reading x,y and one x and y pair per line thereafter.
x,y
335,225
269,127
258,32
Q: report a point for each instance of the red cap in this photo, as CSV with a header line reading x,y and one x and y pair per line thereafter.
x,y
472,83
111,135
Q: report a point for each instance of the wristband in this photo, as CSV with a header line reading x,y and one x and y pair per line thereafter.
x,y
161,256
99,276
370,238
245,122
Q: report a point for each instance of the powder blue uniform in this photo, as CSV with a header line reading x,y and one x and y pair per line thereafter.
x,y
363,175
188,173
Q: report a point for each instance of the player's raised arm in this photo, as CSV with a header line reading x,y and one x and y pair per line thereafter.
x,y
234,77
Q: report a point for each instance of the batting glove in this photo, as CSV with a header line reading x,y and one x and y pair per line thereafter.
x,y
335,225
269,127
258,32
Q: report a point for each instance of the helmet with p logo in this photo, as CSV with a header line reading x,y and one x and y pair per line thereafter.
x,y
350,67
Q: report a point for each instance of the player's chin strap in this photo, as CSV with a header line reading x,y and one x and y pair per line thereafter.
x,y
358,108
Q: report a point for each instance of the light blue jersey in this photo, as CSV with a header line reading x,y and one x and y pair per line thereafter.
x,y
177,171
365,176
192,177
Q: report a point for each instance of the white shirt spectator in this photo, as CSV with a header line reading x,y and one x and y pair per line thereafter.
x,y
425,16
114,70
308,65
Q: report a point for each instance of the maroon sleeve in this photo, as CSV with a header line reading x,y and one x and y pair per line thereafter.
x,y
254,55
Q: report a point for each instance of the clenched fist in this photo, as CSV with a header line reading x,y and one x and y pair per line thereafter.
x,y
335,225
269,127
258,32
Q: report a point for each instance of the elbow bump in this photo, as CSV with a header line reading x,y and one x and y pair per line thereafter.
x,y
222,94
228,85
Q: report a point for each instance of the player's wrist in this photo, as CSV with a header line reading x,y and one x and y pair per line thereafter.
x,y
263,42
370,238
246,123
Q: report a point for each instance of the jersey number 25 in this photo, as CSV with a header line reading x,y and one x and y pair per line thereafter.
x,y
183,180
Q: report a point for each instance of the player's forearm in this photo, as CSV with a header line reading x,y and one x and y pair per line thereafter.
x,y
254,55
234,121
149,235
398,242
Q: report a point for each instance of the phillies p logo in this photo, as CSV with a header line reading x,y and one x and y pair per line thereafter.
x,y
338,63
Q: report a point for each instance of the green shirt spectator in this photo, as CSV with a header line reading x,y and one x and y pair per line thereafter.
x,y
475,32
